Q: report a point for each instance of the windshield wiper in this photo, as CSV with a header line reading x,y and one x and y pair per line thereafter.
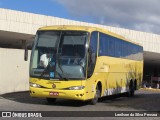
x,y
60,67
47,69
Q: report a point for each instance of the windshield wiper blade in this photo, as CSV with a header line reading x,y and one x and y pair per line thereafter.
x,y
64,75
47,70
60,67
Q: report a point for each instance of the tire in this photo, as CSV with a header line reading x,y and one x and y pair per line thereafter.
x,y
135,85
130,93
51,100
97,95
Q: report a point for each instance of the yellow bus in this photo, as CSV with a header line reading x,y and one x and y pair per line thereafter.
x,y
83,63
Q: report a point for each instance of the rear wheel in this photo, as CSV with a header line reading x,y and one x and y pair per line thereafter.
x,y
51,100
135,85
97,95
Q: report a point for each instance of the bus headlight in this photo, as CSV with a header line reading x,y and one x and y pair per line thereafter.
x,y
76,88
34,85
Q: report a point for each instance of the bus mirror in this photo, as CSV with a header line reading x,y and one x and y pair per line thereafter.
x,y
26,53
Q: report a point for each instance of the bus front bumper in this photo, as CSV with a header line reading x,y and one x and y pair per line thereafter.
x,y
54,93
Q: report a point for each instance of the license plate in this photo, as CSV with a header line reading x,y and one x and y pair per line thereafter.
x,y
53,93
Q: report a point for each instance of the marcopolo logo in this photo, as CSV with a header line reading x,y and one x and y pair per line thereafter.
x,y
53,85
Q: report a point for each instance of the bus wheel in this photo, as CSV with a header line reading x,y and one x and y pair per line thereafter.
x,y
97,95
135,84
51,100
130,93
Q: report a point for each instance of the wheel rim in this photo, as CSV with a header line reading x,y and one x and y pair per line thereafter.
x,y
97,94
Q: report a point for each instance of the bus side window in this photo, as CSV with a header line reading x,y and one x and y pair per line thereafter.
x,y
92,53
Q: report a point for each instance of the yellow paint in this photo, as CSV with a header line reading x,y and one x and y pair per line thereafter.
x,y
111,72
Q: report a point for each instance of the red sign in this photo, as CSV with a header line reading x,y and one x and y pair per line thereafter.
x,y
53,93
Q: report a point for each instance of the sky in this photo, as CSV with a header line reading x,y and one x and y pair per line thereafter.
x,y
141,15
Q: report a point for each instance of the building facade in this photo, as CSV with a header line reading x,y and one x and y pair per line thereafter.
x,y
19,28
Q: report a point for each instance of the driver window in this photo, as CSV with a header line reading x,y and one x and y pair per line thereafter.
x,y
92,53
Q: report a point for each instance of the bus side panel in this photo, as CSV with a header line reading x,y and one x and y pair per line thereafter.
x,y
116,73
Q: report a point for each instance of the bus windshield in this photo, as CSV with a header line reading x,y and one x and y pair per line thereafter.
x,y
59,55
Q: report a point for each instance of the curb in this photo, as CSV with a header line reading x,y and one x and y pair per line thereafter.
x,y
150,89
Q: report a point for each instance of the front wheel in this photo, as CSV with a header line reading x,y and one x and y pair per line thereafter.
x,y
97,95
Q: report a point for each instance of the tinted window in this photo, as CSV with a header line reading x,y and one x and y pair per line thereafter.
x,y
92,53
114,47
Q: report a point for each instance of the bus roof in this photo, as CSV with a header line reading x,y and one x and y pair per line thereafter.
x,y
85,28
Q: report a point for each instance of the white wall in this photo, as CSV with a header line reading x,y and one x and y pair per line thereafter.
x,y
14,71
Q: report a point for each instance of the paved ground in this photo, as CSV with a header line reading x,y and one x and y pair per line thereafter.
x,y
144,100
